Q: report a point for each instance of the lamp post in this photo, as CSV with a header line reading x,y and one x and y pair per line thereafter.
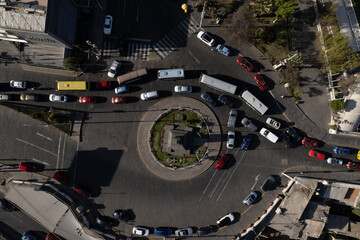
x,y
202,14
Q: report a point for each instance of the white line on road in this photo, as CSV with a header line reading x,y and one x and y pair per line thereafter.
x,y
256,180
217,185
44,136
63,154
36,146
58,155
207,185
193,55
36,160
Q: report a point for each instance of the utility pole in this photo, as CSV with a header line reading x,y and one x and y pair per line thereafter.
x,y
202,14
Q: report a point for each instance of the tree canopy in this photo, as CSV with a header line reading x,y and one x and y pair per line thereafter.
x,y
284,8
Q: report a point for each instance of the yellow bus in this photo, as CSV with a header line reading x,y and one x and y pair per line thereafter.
x,y
73,85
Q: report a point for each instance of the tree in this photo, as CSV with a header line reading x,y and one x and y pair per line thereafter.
x,y
337,105
239,23
284,8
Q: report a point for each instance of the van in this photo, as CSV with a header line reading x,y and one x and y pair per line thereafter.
x,y
149,95
232,118
171,74
269,135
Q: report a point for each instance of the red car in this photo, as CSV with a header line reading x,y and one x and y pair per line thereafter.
x,y
316,154
351,165
245,64
116,100
103,85
309,142
222,162
51,236
261,82
87,99
80,190
27,167
59,176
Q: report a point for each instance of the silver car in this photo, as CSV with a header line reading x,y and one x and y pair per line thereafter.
x,y
247,123
184,232
57,98
230,140
250,199
335,161
179,88
142,231
114,69
18,84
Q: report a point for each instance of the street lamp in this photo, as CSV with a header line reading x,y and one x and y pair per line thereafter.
x,y
202,14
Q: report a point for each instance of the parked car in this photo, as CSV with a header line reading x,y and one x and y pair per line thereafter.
x,y
316,154
292,132
87,99
205,231
268,184
184,232
105,222
340,150
206,38
29,97
179,88
108,24
149,95
27,167
358,155
260,82
82,191
60,177
18,84
28,236
289,142
209,99
353,166
335,161
5,97
121,214
51,236
310,142
250,199
246,142
114,68
247,123
223,50
103,85
162,231
226,220
222,162
232,118
116,100
269,135
123,89
224,100
245,64
273,123
230,140
58,98
141,231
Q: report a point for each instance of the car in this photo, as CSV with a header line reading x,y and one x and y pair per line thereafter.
x,y
122,89
149,95
184,232
224,100
29,97
358,155
141,231
179,88
103,85
116,100
223,50
58,98
114,68
105,222
206,38
353,166
5,97
82,191
293,133
18,84
245,64
226,220
87,99
6,205
289,142
27,167
250,199
310,142
340,150
335,161
246,142
121,214
209,99
205,231
247,123
108,24
232,118
230,140
260,82
273,123
162,231
60,177
51,236
269,135
28,236
316,154
222,162
268,184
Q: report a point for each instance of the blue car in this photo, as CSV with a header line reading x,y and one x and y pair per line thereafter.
x,y
340,150
28,236
209,99
123,89
246,142
163,231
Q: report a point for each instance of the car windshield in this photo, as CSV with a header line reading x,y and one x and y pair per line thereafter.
x,y
206,37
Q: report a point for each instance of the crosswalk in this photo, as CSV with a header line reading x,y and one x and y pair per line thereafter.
x,y
137,50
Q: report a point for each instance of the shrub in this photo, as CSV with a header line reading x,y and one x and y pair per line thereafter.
x,y
337,105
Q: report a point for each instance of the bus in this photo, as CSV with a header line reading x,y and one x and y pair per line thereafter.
x,y
253,102
217,84
171,74
73,85
131,76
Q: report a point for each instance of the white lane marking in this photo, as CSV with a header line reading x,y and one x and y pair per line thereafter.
x,y
58,156
63,154
36,160
193,55
76,158
20,140
44,136
256,180
217,185
208,185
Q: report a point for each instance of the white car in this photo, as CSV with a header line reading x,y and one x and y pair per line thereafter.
x,y
149,95
222,49
18,84
226,220
140,231
230,140
114,68
57,98
187,89
5,97
108,24
273,123
184,232
335,161
269,135
206,38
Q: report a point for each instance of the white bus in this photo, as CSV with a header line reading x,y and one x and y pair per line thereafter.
x,y
171,74
217,84
253,102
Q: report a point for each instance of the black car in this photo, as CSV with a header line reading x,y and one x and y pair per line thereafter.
x,y
292,132
288,141
268,184
246,142
224,100
208,98
205,231
105,222
121,214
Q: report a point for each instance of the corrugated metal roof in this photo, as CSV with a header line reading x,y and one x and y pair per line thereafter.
x,y
22,20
